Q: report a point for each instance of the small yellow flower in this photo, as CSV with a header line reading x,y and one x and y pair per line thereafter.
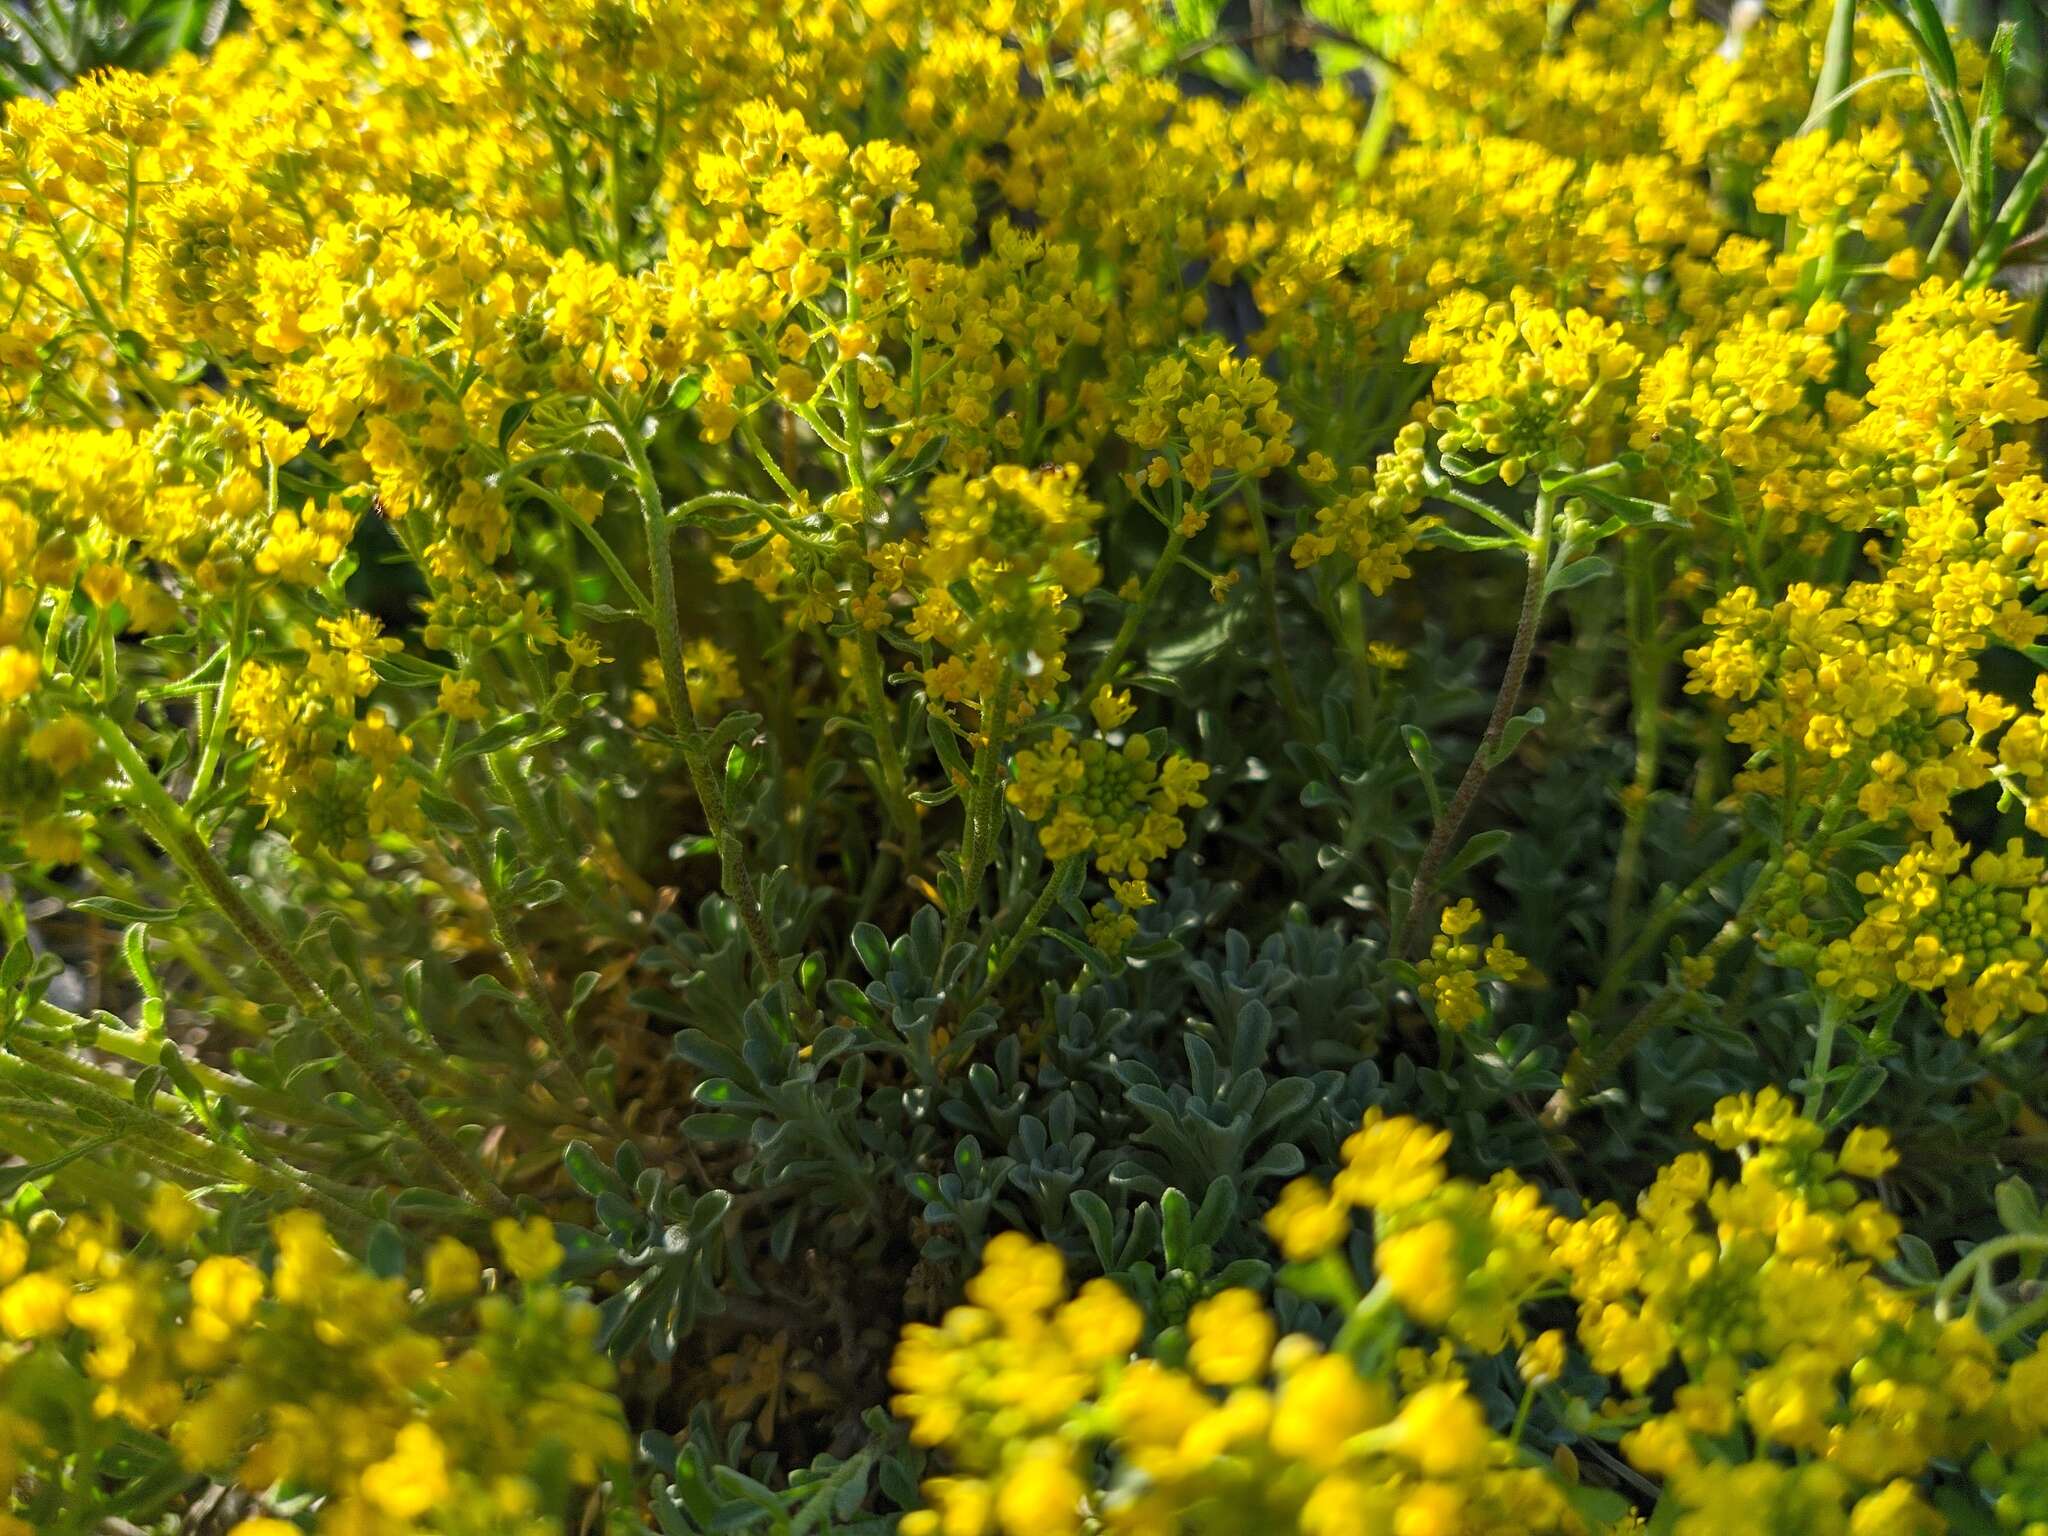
x,y
413,1479
1111,709
19,670
529,1248
1542,1358
1231,1337
453,1270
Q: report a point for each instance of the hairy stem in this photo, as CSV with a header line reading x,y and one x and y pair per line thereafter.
x,y
1423,889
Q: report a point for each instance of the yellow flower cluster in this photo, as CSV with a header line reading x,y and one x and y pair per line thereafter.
x,y
310,1371
1525,385
1120,806
1974,930
1254,1433
1206,414
1376,525
1761,1370
1003,558
1455,968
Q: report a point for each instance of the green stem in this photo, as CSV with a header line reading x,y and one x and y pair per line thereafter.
x,y
1034,920
45,1070
1660,922
1646,705
167,822
1583,1078
1823,1054
982,785
736,878
505,931
1423,889
1269,597
1982,1257
895,784
1134,616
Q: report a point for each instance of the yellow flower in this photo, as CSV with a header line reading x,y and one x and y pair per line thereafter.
x,y
1308,1221
19,670
1441,1430
34,1306
1542,1358
453,1270
1322,1403
1041,1493
1391,1162
529,1247
1101,1323
173,1216
413,1479
1230,1336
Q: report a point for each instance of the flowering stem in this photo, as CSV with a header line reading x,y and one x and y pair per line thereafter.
x,y
1584,1078
504,929
736,877
1269,595
975,848
1423,889
223,707
1365,1317
1134,616
1646,687
1823,1053
895,786
1522,1414
1028,930
167,822
1648,935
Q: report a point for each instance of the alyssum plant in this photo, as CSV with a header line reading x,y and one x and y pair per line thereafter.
x,y
678,683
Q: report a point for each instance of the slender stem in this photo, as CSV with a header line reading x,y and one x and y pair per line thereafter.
x,y
1522,1415
167,822
736,877
1660,922
974,849
1982,1257
217,725
1269,596
45,1070
1127,631
895,786
1646,706
2020,1320
1028,929
1583,1077
1423,889
505,931
1823,1053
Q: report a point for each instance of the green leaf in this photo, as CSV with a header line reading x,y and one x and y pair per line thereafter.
x,y
1426,763
1094,1213
1477,850
1511,736
2017,1206
715,1127
125,911
14,965
513,419
1588,568
384,1255
12,1179
588,1170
